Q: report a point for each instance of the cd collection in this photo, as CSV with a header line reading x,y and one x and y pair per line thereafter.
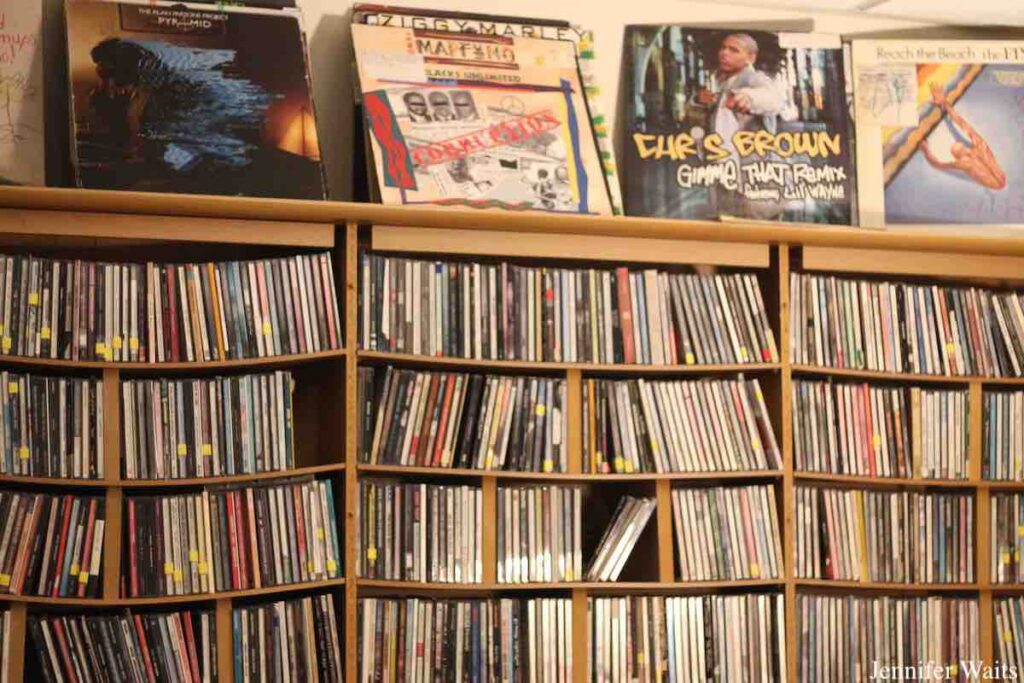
x,y
698,638
51,426
458,640
1006,537
232,538
539,535
134,312
901,327
853,638
726,533
874,430
884,536
620,537
207,427
1003,437
510,312
174,646
452,419
287,640
1009,618
420,532
708,425
51,545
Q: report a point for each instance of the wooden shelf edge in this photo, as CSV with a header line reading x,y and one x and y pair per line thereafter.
x,y
879,481
173,599
403,470
198,366
204,206
877,586
822,371
233,479
1000,485
551,366
171,483
568,585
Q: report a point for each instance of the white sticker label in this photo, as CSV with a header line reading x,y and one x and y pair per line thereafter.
x,y
392,67
821,41
887,95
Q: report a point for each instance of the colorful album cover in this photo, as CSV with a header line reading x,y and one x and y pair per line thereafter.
x,y
478,120
939,131
181,98
738,123
490,24
22,155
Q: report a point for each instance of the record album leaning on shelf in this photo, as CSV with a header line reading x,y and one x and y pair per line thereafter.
x,y
582,38
939,131
478,120
746,124
186,98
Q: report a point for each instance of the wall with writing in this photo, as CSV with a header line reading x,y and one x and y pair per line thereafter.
x,y
21,93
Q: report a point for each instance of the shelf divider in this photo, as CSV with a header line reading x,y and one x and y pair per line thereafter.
x,y
225,640
18,642
351,517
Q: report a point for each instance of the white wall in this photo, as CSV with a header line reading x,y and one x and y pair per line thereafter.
x,y
327,23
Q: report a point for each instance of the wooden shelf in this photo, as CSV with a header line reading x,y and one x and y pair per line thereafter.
x,y
402,470
895,587
238,478
821,371
879,481
170,483
150,368
999,485
539,366
541,223
173,599
603,586
127,220
57,482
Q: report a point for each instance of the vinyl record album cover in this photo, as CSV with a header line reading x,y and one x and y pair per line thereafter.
x,y
939,130
182,98
492,24
22,158
746,124
478,120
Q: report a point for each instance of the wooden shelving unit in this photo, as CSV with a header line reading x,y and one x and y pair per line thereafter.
x,y
40,220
